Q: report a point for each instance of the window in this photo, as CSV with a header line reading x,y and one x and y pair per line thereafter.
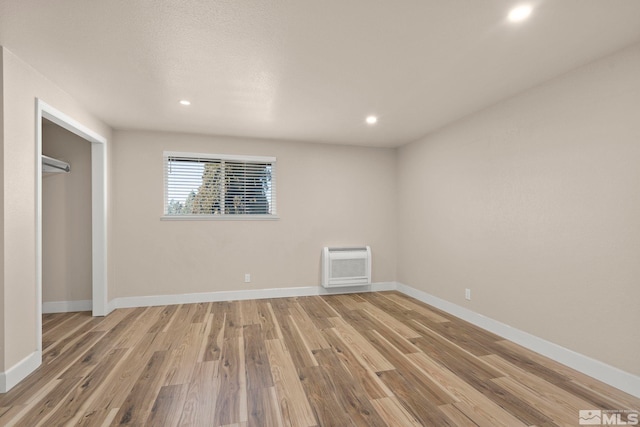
x,y
210,186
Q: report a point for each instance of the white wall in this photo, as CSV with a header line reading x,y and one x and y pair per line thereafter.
x,y
21,86
534,204
2,304
66,218
326,195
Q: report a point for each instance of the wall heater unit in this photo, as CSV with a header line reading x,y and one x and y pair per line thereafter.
x,y
346,266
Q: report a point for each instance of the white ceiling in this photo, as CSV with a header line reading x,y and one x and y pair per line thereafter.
x,y
306,70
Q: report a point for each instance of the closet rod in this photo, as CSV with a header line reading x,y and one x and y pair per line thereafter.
x,y
55,163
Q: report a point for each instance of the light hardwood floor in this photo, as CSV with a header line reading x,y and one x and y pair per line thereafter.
x,y
362,359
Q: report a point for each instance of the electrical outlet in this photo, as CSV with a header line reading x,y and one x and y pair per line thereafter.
x,y
247,278
467,294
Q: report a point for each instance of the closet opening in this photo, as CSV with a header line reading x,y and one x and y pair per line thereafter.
x,y
66,220
88,241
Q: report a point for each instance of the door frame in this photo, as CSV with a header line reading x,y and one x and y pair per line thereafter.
x,y
98,207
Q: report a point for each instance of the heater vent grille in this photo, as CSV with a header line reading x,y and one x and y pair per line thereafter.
x,y
346,266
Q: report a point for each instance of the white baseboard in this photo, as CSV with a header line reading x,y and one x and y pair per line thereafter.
x,y
66,306
608,374
154,300
19,371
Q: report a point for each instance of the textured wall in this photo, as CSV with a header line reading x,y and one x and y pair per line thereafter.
x,y
326,195
534,205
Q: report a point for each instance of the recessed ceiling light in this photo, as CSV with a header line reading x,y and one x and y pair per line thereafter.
x,y
185,102
372,120
520,13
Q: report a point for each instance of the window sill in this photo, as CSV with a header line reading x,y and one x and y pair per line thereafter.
x,y
219,218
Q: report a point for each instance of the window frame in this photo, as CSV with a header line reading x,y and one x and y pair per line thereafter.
x,y
223,158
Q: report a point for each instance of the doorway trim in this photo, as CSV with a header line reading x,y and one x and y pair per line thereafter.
x,y
98,207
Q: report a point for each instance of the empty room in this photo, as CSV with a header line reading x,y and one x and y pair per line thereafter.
x,y
335,213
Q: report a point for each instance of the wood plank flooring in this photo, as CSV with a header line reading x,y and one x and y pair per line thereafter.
x,y
374,359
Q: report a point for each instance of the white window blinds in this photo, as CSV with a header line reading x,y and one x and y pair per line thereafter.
x,y
219,185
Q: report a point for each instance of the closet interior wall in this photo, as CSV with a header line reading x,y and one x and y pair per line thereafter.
x,y
66,222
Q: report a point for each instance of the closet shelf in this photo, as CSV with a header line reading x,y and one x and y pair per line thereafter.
x,y
51,165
